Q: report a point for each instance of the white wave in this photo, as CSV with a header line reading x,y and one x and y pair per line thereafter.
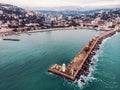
x,y
80,84
105,40
90,78
87,79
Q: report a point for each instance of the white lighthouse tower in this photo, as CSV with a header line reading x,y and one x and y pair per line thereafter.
x,y
63,67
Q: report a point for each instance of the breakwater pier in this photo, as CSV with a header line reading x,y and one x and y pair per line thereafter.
x,y
79,65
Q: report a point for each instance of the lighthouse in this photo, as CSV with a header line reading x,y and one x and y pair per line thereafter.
x,y
63,67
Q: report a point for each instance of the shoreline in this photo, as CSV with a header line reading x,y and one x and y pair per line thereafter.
x,y
7,33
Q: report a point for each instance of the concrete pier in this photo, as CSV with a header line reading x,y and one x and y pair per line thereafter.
x,y
11,39
76,66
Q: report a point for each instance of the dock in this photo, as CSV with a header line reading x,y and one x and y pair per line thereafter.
x,y
77,65
11,39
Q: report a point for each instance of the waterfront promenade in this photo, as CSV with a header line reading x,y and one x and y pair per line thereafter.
x,y
77,64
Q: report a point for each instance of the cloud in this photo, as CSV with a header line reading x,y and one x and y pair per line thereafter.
x,y
52,3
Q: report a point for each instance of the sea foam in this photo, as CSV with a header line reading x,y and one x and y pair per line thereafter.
x,y
90,78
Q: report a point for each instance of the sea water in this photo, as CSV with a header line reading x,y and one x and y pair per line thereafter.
x,y
24,64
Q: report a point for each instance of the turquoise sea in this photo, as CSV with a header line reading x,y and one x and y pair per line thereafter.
x,y
24,64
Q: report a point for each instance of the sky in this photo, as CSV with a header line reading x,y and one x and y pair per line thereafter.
x,y
59,3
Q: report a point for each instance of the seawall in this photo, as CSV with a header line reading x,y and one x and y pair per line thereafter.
x,y
79,65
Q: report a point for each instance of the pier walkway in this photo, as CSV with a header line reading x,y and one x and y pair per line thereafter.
x,y
75,66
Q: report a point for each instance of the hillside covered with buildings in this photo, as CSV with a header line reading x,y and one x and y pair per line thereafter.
x,y
15,19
